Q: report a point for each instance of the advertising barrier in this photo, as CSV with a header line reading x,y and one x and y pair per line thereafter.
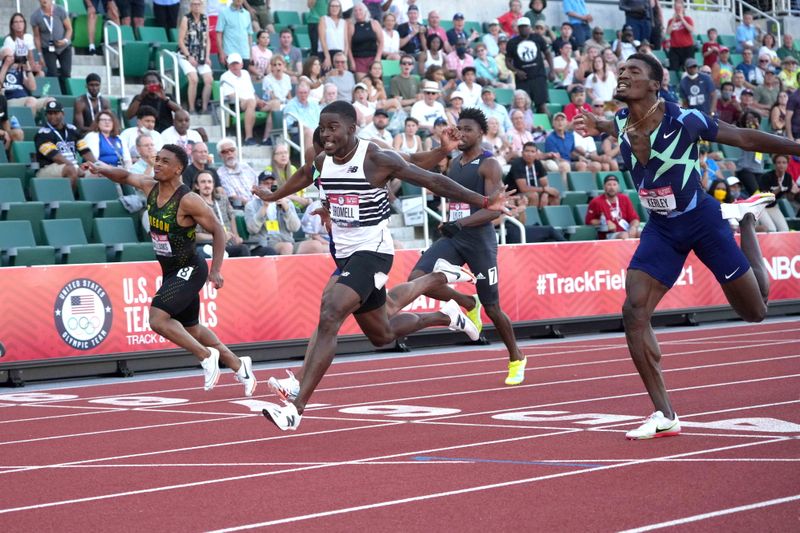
x,y
80,310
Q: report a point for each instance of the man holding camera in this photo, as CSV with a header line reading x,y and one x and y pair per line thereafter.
x,y
52,34
272,224
19,82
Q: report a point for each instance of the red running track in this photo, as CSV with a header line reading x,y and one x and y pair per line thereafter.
x,y
425,443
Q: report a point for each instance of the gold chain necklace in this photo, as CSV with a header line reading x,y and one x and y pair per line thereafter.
x,y
629,126
348,153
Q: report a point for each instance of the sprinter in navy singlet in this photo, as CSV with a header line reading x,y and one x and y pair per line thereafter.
x,y
174,212
658,141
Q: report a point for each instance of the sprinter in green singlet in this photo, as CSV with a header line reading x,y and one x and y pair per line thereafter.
x,y
173,212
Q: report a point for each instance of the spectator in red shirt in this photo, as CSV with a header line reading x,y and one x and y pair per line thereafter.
x,y
508,21
578,101
612,213
681,39
728,107
711,48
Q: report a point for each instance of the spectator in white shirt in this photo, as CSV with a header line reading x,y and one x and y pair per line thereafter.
x,y
145,125
236,81
181,134
427,110
277,86
469,88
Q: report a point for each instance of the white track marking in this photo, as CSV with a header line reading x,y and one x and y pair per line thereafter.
x,y
276,472
102,411
480,488
714,514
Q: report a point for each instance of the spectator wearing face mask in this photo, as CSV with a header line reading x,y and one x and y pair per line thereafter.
x,y
728,107
696,89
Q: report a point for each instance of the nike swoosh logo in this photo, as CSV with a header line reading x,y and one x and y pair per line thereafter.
x,y
729,276
668,135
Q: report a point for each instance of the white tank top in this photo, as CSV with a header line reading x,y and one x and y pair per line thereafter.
x,y
334,34
359,211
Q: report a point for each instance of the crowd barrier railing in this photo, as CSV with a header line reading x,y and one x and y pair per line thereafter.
x,y
226,111
114,49
299,146
174,81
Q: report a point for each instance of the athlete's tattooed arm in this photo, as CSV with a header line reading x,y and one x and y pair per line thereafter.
x,y
754,140
194,206
380,164
122,176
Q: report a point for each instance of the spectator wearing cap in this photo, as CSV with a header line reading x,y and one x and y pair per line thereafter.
x,y
404,86
434,140
728,106
748,67
19,83
748,99
365,109
341,77
435,27
723,69
221,207
577,97
579,17
57,146
491,109
681,37
87,106
639,16
788,74
412,33
788,48
509,20
458,59
625,45
597,41
377,129
562,141
236,83
469,87
490,40
616,210
409,142
540,28
734,185
145,125
746,33
750,164
271,224
711,48
365,41
528,57
457,33
566,36
237,178
427,110
234,32
697,90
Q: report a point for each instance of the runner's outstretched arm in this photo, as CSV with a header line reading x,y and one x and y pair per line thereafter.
x,y
301,179
122,176
394,165
492,174
754,140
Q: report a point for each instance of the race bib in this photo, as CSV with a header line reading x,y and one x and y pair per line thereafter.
x,y
161,244
661,200
344,209
458,211
272,226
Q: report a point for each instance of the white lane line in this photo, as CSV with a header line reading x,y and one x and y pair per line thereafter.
x,y
480,488
276,472
714,514
52,417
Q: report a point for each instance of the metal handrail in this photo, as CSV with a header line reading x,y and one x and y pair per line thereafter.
x,y
739,15
426,233
235,113
517,223
109,49
288,140
174,82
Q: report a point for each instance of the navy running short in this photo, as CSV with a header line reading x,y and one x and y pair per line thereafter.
x,y
665,243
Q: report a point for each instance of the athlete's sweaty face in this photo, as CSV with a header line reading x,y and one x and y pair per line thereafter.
x,y
166,166
335,131
633,81
471,134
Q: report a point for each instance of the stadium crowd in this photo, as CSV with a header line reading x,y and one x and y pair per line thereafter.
x,y
408,75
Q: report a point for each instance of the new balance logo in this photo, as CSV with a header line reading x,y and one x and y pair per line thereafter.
x,y
352,170
290,420
460,322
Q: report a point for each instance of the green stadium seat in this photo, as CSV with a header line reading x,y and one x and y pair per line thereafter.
x,y
140,251
69,239
116,233
575,198
136,58
582,181
49,190
75,7
504,96
532,217
470,25
24,116
3,157
446,24
11,190
302,41
637,204
29,132
127,35
558,216
620,178
152,35
75,86
552,109
661,55
286,18
33,212
731,152
47,86
557,96
729,41
541,120
584,233
97,190
554,179
610,35
23,152
580,212
18,245
84,211
391,67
